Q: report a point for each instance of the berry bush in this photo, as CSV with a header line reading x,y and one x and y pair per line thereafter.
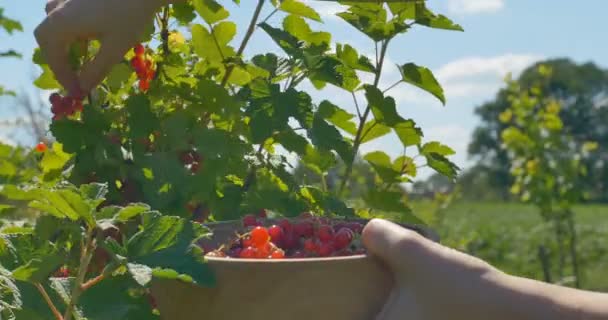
x,y
187,130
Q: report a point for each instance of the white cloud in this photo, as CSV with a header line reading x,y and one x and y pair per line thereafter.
x,y
475,6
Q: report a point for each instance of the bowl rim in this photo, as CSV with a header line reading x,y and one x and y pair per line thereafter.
x,y
420,229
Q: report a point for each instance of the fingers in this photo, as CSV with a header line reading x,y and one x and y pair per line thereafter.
x,y
54,47
396,246
94,71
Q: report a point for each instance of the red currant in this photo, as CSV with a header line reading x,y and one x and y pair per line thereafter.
x,y
290,241
139,50
264,251
355,227
246,242
249,221
41,147
285,224
144,85
343,238
277,254
276,233
325,233
304,229
325,249
259,236
249,253
310,246
55,99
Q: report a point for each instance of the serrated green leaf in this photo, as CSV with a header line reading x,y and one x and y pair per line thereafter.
x,y
406,165
422,78
351,58
63,288
206,45
142,121
391,201
318,160
300,29
436,147
290,44
373,130
141,274
426,17
384,109
183,12
47,80
442,165
131,211
383,166
118,77
408,133
7,168
54,159
298,8
327,137
38,270
337,116
210,10
292,141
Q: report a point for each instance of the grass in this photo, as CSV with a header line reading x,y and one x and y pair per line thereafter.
x,y
508,235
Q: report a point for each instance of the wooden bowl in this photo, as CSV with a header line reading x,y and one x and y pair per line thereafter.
x,y
336,288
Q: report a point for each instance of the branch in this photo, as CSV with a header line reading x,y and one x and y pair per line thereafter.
x,y
85,259
87,285
48,300
359,136
357,106
250,30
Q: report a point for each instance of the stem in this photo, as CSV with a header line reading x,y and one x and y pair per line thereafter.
x,y
270,15
48,300
164,33
85,259
87,285
250,30
359,136
357,106
392,86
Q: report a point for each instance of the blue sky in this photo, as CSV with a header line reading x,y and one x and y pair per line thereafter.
x,y
500,36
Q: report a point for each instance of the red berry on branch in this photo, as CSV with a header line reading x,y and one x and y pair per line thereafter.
x,y
246,242
260,236
139,50
304,229
285,224
41,147
55,99
144,85
264,251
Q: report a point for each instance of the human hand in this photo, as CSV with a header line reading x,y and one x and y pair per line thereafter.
x,y
432,282
117,24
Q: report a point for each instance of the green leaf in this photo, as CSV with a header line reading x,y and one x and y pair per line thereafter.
x,y
300,29
436,147
373,130
73,135
300,9
290,44
167,242
63,204
337,116
38,270
406,165
391,201
408,133
442,165
118,76
141,274
382,164
7,168
210,10
292,141
318,160
9,25
426,17
10,54
142,121
384,109
183,12
351,58
132,211
206,44
327,137
54,159
47,79
422,78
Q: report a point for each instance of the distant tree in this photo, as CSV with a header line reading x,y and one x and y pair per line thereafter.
x,y
582,90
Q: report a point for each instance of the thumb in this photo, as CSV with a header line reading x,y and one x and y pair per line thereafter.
x,y
94,71
399,248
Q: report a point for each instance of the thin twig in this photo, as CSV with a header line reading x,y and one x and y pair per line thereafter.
x,y
48,300
357,106
358,137
85,260
87,285
250,30
392,86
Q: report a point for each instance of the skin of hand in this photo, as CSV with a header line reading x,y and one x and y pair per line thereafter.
x,y
117,24
433,282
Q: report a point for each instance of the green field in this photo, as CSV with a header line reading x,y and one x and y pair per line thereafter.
x,y
509,235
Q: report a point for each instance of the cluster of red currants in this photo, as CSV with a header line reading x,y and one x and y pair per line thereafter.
x,y
41,147
192,160
62,272
62,107
143,68
305,237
